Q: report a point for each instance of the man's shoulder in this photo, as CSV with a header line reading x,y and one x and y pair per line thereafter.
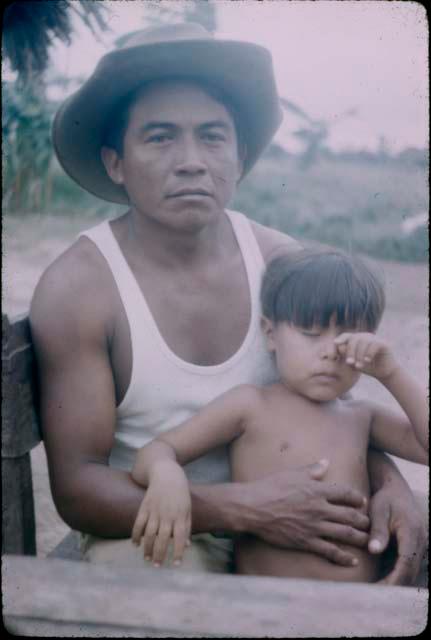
x,y
73,290
73,272
273,242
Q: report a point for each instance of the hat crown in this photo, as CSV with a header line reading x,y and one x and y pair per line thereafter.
x,y
166,34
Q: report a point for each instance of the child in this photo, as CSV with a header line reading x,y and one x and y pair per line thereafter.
x,y
320,313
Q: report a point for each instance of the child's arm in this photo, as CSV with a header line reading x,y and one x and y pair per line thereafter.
x,y
165,510
220,422
406,435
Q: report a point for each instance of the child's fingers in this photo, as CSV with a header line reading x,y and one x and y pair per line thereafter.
x,y
362,348
161,543
343,338
350,354
150,535
181,537
346,347
371,351
139,525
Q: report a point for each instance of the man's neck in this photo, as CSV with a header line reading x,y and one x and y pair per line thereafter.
x,y
171,248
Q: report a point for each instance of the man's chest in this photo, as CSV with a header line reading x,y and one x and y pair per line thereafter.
x,y
203,322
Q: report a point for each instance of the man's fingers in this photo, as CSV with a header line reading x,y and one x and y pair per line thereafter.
x,y
407,565
139,526
380,526
333,553
318,470
349,516
345,534
337,494
405,572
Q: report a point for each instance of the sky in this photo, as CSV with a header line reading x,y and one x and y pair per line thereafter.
x,y
360,66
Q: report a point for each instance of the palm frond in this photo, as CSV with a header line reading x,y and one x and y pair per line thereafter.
x,y
31,26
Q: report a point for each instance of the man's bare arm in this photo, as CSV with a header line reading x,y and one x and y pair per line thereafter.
x,y
395,514
70,334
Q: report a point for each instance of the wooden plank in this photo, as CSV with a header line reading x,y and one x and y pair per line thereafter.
x,y
20,424
92,597
18,522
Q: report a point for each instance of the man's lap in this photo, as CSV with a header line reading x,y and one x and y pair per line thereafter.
x,y
205,553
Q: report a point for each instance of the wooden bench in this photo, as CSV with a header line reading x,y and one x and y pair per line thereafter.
x,y
20,434
57,596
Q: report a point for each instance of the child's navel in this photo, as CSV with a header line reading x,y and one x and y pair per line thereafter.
x,y
284,446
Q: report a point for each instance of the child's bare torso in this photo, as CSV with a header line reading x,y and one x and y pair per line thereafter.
x,y
288,432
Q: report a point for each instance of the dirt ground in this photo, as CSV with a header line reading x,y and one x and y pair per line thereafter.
x,y
30,244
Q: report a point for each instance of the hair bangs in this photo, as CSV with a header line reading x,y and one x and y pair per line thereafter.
x,y
312,288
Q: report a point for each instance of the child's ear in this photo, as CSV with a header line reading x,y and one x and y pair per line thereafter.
x,y
267,327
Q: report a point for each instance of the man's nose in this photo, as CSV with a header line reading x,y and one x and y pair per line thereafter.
x,y
190,159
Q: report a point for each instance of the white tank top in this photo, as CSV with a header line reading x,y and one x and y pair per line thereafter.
x,y
165,390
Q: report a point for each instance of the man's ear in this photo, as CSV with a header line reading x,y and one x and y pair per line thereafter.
x,y
113,164
240,167
267,327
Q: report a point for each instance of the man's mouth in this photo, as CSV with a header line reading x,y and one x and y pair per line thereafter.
x,y
190,193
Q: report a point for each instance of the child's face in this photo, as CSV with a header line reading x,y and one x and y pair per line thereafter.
x,y
308,360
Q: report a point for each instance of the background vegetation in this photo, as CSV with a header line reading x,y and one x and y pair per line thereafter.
x,y
359,201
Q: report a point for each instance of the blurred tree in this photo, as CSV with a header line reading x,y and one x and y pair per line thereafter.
x,y
313,134
201,11
164,12
27,152
29,29
31,26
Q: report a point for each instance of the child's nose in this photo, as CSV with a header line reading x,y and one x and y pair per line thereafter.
x,y
329,351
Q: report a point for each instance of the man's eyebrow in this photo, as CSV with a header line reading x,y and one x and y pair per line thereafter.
x,y
220,124
157,125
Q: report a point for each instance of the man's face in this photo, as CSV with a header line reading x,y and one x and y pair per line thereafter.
x,y
180,163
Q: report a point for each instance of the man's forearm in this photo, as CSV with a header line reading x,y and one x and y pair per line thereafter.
x,y
382,471
104,502
218,508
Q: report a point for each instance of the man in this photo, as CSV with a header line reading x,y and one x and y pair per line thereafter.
x,y
147,318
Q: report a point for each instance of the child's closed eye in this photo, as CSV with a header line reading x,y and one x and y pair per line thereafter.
x,y
312,333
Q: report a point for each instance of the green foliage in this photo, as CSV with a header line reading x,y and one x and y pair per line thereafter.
x,y
201,11
354,201
27,149
30,26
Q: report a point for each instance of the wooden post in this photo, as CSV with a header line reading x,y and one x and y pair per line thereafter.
x,y
20,433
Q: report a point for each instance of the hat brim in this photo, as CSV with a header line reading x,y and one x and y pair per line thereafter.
x,y
242,70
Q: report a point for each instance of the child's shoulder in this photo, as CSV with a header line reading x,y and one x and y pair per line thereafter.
x,y
354,404
248,394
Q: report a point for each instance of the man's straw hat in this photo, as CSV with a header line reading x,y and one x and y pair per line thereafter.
x,y
243,71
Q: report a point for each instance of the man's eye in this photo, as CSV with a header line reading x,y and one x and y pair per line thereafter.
x,y
213,137
311,334
159,137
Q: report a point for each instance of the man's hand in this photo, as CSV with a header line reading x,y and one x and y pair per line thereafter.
x,y
164,514
295,509
396,518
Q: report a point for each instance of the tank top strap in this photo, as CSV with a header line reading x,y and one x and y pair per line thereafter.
x,y
130,293
251,253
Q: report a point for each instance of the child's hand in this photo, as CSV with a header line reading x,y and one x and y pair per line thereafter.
x,y
367,353
165,513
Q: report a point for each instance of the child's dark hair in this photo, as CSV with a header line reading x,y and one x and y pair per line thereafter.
x,y
307,287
